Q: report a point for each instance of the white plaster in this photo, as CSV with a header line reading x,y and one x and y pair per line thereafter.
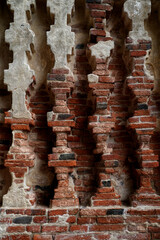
x,y
102,49
61,9
19,75
92,78
62,220
19,37
49,116
3,228
61,41
20,7
138,11
60,37
16,197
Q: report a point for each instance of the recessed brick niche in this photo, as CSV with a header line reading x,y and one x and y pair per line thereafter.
x,y
79,119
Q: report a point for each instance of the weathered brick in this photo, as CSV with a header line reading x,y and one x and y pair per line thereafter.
x,y
42,237
53,228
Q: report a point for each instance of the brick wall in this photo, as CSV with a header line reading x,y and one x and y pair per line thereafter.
x,y
86,165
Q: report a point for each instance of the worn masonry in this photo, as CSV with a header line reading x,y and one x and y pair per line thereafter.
x,y
79,119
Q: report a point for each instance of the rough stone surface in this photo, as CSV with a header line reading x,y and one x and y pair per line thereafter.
x,y
61,9
92,78
19,75
138,11
102,49
61,41
60,37
20,8
16,197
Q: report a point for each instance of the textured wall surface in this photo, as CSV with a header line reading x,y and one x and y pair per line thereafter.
x,y
79,119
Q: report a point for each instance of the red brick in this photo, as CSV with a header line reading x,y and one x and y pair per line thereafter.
x,y
21,135
107,227
53,219
92,212
143,125
15,211
62,163
101,236
74,237
33,228
156,236
154,229
57,212
60,71
78,228
35,211
98,14
150,164
20,127
42,237
5,238
54,228
20,237
139,53
100,6
106,202
86,220
39,219
98,32
142,212
61,123
15,229
110,220
71,219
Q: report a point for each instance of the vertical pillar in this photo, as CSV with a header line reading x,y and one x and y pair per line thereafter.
x,y
18,78
141,84
60,82
101,84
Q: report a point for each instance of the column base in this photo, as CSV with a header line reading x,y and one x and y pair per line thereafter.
x,y
145,196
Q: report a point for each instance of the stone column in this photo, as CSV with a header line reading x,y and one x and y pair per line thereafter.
x,y
60,82
141,85
19,75
18,78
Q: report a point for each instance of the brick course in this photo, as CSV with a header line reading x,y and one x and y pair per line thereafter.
x,y
98,140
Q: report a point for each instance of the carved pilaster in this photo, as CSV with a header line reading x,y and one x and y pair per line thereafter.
x,y
18,78
101,85
100,51
19,75
141,84
60,37
138,11
60,82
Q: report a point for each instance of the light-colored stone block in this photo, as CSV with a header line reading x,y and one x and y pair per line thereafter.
x,y
102,49
60,37
138,11
19,75
92,78
20,7
16,197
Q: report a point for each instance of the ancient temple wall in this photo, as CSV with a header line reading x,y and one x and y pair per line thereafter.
x,y
79,119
